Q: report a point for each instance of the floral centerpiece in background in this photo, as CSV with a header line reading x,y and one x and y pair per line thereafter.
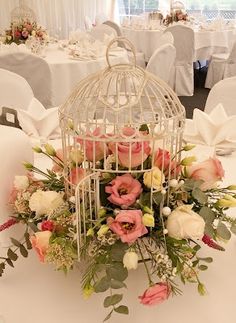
x,y
128,230
19,32
175,16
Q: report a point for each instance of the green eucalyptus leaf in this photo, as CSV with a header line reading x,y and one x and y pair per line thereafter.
x,y
10,263
195,262
197,247
202,267
116,284
117,271
199,195
207,214
112,300
157,198
222,231
207,259
2,267
233,228
15,242
27,241
108,316
144,199
23,251
102,285
122,309
118,251
33,227
12,255
209,230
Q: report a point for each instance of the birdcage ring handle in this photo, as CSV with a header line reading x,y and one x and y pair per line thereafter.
x,y
125,41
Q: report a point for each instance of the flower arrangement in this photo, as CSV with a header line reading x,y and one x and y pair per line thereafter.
x,y
164,235
19,32
175,16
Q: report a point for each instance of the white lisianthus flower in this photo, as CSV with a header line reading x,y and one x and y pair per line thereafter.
x,y
130,260
21,182
183,223
154,179
33,33
44,202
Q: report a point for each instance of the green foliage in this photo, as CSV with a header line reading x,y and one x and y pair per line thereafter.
x,y
102,285
207,214
222,231
11,255
112,300
199,195
122,309
117,271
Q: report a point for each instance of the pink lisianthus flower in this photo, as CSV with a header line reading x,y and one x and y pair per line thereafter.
x,y
130,153
76,175
155,294
124,190
94,150
210,171
162,160
128,225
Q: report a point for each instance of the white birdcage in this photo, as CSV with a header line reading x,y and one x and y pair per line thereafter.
x,y
22,13
113,124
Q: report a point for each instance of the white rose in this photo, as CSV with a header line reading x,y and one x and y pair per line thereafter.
x,y
21,182
130,260
45,202
154,179
183,223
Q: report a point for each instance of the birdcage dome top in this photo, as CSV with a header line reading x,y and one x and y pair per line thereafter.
x,y
23,13
121,94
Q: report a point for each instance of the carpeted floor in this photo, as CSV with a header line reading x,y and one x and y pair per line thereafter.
x,y
198,100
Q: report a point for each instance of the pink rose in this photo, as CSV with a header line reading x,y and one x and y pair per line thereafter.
x,y
128,225
124,190
210,171
130,153
95,149
155,294
163,159
40,242
17,34
76,175
25,33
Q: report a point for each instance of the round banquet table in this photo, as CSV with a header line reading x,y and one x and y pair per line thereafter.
x,y
66,72
205,42
35,293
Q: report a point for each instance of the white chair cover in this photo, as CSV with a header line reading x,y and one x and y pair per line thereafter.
x,y
223,92
221,66
34,69
15,91
15,147
162,61
98,32
166,38
183,82
88,23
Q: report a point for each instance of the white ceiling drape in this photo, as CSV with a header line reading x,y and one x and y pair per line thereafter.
x,y
58,16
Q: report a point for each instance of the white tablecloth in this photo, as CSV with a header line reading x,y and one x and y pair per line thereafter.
x,y
36,293
66,72
205,43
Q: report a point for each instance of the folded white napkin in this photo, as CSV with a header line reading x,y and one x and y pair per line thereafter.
x,y
36,121
214,129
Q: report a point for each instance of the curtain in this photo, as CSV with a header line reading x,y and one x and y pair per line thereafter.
x,y
58,16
